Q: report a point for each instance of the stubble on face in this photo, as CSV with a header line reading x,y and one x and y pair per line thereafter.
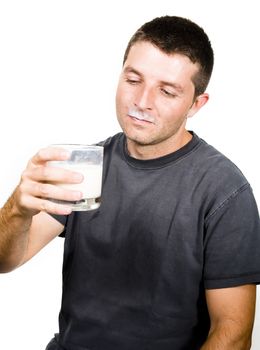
x,y
149,145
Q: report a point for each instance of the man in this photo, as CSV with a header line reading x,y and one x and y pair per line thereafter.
x,y
171,258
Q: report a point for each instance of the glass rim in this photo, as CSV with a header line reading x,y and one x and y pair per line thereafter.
x,y
75,146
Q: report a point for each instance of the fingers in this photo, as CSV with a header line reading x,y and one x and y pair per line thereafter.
x,y
49,153
36,205
38,183
35,197
46,191
44,173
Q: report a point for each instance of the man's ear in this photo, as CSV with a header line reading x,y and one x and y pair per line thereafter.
x,y
199,102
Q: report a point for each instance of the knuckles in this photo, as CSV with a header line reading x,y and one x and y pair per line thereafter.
x,y
36,185
39,173
25,175
41,154
43,190
45,173
44,206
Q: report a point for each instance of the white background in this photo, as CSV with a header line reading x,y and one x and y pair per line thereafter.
x,y
59,65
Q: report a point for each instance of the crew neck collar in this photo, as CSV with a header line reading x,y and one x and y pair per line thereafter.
x,y
161,161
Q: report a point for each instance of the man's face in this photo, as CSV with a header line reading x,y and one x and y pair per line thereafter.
x,y
155,95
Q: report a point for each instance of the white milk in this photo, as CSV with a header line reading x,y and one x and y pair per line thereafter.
x,y
91,185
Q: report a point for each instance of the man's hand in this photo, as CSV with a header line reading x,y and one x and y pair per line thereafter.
x,y
21,236
38,181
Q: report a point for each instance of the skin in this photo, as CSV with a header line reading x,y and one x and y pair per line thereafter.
x,y
25,228
231,313
160,85
159,88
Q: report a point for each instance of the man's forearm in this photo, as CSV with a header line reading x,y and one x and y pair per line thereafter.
x,y
14,229
225,338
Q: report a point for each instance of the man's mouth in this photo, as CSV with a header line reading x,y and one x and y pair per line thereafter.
x,y
141,116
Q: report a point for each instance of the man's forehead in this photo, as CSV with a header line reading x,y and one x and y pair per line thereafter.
x,y
145,59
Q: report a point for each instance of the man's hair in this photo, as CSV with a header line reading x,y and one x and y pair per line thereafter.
x,y
172,34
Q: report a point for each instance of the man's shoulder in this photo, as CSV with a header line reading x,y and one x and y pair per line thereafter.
x,y
111,140
216,174
211,160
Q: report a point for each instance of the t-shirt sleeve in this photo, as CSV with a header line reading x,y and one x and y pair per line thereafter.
x,y
232,242
63,220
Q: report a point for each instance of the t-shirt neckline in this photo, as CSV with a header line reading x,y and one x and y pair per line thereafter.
x,y
161,161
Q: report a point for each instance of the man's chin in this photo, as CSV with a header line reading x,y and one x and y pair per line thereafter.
x,y
141,141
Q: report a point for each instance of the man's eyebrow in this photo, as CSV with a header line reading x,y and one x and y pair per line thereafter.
x,y
175,86
130,69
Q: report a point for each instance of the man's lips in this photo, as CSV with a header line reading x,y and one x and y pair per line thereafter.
x,y
139,120
141,117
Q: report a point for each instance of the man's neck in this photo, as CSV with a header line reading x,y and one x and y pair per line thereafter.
x,y
152,151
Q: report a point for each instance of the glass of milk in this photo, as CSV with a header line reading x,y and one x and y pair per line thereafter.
x,y
87,160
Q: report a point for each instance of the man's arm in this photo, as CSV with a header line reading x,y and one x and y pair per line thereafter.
x,y
22,238
14,229
25,226
231,313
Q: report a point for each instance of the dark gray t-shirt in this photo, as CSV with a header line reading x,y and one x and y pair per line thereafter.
x,y
136,269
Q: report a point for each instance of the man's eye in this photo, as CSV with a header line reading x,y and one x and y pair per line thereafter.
x,y
132,81
167,93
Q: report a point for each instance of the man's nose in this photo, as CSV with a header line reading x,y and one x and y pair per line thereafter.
x,y
144,99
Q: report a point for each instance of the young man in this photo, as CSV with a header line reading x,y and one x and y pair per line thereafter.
x,y
169,260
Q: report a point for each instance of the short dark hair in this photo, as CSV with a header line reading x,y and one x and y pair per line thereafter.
x,y
173,34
